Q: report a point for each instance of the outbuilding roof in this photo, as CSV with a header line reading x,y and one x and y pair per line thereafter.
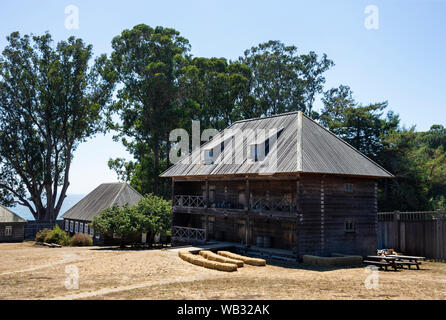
x,y
303,146
103,197
7,216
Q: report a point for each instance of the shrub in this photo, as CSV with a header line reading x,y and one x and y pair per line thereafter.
x,y
57,236
81,240
41,235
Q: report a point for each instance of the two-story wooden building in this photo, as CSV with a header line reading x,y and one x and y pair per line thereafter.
x,y
280,182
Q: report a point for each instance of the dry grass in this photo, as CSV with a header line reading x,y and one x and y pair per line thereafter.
x,y
28,272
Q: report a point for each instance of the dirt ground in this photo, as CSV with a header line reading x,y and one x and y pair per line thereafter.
x,y
33,272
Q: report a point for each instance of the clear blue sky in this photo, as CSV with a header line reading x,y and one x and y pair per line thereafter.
x,y
402,62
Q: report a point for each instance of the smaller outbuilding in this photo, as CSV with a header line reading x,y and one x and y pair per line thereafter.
x,y
12,226
78,219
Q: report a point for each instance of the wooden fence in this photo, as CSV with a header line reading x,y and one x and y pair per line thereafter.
x,y
414,233
32,227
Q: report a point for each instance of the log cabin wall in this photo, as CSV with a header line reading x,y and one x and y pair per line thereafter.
x,y
309,229
350,215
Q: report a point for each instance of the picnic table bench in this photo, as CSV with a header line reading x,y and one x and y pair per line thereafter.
x,y
382,262
408,260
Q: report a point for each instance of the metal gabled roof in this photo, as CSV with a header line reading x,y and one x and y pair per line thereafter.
x,y
104,196
7,216
304,146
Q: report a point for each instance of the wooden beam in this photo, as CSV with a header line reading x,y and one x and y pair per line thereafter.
x,y
298,216
247,195
248,231
206,197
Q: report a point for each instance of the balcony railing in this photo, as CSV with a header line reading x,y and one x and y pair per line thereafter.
x,y
191,235
273,204
262,204
190,201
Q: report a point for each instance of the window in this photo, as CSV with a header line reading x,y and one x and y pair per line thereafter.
x,y
254,154
81,228
349,225
91,232
76,227
8,231
67,225
348,187
71,226
209,156
86,229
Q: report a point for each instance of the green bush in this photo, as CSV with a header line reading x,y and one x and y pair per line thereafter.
x,y
81,240
58,236
41,235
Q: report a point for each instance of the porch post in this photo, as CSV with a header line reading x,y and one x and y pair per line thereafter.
x,y
247,208
173,204
299,216
206,197
247,195
206,203
207,227
173,192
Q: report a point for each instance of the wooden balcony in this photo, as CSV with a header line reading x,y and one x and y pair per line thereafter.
x,y
275,204
268,207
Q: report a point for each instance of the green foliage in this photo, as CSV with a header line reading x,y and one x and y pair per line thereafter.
x,y
282,80
418,160
151,215
147,63
57,236
81,240
156,213
41,235
51,99
361,126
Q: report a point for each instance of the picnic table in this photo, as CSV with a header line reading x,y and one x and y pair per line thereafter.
x,y
394,261
408,260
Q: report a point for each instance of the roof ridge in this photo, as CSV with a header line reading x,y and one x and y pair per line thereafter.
x,y
269,117
348,144
119,193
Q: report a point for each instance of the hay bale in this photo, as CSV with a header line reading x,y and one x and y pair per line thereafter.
x,y
215,257
220,266
336,260
250,261
192,258
198,260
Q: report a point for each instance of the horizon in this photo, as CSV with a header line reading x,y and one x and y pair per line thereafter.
x,y
400,62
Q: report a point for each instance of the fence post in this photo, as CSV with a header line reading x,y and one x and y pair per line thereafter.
x,y
396,225
438,236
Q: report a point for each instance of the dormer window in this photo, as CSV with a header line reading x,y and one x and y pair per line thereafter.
x,y
208,156
259,151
